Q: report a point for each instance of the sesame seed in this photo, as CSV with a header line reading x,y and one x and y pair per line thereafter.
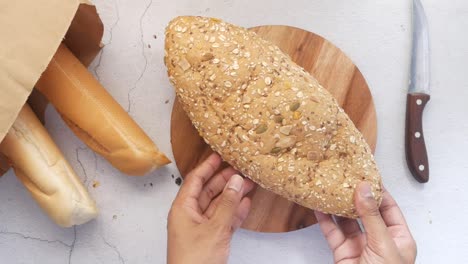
x,y
228,84
267,80
215,61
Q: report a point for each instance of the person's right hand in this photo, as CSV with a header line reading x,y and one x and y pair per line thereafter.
x,y
386,238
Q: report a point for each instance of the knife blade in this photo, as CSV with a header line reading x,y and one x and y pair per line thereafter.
x,y
418,96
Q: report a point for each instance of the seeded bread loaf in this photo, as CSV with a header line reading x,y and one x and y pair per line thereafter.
x,y
266,116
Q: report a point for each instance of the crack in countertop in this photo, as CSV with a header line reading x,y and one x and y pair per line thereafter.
x,y
116,250
35,238
72,246
77,152
111,33
129,109
86,181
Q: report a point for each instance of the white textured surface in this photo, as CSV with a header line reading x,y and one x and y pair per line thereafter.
x,y
375,34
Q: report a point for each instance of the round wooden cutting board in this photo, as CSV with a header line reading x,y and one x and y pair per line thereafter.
x,y
336,72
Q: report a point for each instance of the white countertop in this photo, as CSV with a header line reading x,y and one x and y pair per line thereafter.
x,y
131,227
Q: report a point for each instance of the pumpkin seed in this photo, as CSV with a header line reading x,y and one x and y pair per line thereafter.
x,y
294,106
207,57
278,119
275,150
262,128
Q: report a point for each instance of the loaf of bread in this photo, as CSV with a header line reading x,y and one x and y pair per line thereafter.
x,y
41,167
266,116
96,118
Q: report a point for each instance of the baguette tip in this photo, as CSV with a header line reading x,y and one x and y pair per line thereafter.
x,y
137,162
81,214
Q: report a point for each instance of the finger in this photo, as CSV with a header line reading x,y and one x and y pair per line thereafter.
x,y
193,184
368,210
349,227
214,187
246,188
390,211
330,230
229,201
242,212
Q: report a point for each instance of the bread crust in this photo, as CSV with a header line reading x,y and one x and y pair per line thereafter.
x,y
96,118
42,168
266,116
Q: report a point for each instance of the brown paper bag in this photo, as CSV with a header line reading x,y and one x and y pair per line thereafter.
x,y
31,32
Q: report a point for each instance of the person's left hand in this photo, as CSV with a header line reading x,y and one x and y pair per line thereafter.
x,y
205,214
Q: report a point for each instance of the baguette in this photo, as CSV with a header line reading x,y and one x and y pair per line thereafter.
x,y
41,167
266,116
95,117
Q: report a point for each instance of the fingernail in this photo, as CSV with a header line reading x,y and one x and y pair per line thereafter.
x,y
235,183
365,190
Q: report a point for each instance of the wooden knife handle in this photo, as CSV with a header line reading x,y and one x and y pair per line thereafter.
x,y
416,154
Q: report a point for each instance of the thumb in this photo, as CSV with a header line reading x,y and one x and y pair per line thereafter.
x,y
229,201
368,210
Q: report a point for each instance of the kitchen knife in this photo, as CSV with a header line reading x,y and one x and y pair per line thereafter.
x,y
418,96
